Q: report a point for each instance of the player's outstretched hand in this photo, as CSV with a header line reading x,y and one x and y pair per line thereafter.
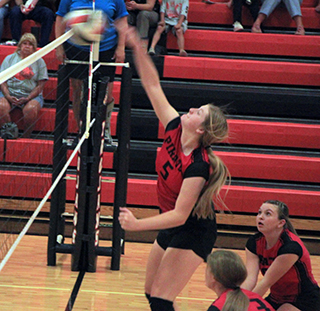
x,y
127,220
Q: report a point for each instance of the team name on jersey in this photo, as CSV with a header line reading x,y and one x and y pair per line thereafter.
x,y
172,152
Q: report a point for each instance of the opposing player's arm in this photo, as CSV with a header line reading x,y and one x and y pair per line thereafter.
x,y
277,270
252,265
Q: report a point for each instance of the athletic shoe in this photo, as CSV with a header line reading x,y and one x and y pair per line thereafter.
x,y
151,52
248,2
237,26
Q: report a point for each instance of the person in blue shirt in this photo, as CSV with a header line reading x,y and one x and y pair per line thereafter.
x,y
111,49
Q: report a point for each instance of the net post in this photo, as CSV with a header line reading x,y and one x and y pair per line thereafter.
x,y
57,205
121,158
87,207
97,139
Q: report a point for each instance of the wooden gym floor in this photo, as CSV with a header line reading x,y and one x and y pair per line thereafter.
x,y
27,283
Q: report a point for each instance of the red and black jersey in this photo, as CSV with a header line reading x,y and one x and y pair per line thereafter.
x,y
257,303
173,166
299,280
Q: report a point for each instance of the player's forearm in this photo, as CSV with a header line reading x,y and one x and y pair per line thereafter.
x,y
262,287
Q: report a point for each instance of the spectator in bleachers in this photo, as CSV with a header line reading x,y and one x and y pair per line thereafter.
x,y
283,260
268,6
225,273
253,5
39,13
173,16
24,90
318,7
143,14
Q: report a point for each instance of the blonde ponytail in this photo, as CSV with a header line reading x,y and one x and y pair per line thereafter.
x,y
215,131
212,189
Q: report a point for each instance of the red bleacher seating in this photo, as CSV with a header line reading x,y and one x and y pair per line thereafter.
x,y
235,70
242,43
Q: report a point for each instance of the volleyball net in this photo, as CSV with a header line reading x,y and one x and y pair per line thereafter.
x,y
60,171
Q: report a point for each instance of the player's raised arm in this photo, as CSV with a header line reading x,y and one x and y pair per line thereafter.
x,y
150,80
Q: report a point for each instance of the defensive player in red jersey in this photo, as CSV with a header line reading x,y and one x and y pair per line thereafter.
x,y
189,175
283,260
225,273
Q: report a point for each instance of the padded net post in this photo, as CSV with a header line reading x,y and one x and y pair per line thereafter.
x,y
87,203
57,206
121,158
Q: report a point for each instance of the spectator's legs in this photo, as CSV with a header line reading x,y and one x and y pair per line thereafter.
x,y
16,18
132,18
156,37
300,28
237,10
77,86
254,9
4,11
145,20
30,116
4,111
267,8
180,41
294,9
45,17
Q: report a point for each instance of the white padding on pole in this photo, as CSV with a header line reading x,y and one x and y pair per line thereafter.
x,y
11,71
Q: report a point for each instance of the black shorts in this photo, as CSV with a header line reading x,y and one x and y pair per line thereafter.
x,y
198,235
81,71
308,302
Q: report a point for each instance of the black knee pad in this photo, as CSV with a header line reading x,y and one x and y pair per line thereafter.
x,y
159,304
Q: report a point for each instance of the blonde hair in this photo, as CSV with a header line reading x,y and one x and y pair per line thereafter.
x,y
27,37
229,270
215,130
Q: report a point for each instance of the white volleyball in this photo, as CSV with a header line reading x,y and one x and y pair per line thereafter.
x,y
88,25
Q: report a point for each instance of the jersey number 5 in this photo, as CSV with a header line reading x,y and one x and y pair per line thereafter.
x,y
164,172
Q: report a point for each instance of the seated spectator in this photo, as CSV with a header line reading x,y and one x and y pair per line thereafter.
x,y
268,6
143,14
253,6
318,7
40,13
225,273
283,260
24,90
173,16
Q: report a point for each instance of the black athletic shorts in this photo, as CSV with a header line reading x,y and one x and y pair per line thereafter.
x,y
308,302
81,71
198,235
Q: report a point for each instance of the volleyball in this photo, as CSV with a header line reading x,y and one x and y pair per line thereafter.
x,y
88,25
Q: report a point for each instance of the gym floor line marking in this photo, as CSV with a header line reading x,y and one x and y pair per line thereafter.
x,y
93,291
